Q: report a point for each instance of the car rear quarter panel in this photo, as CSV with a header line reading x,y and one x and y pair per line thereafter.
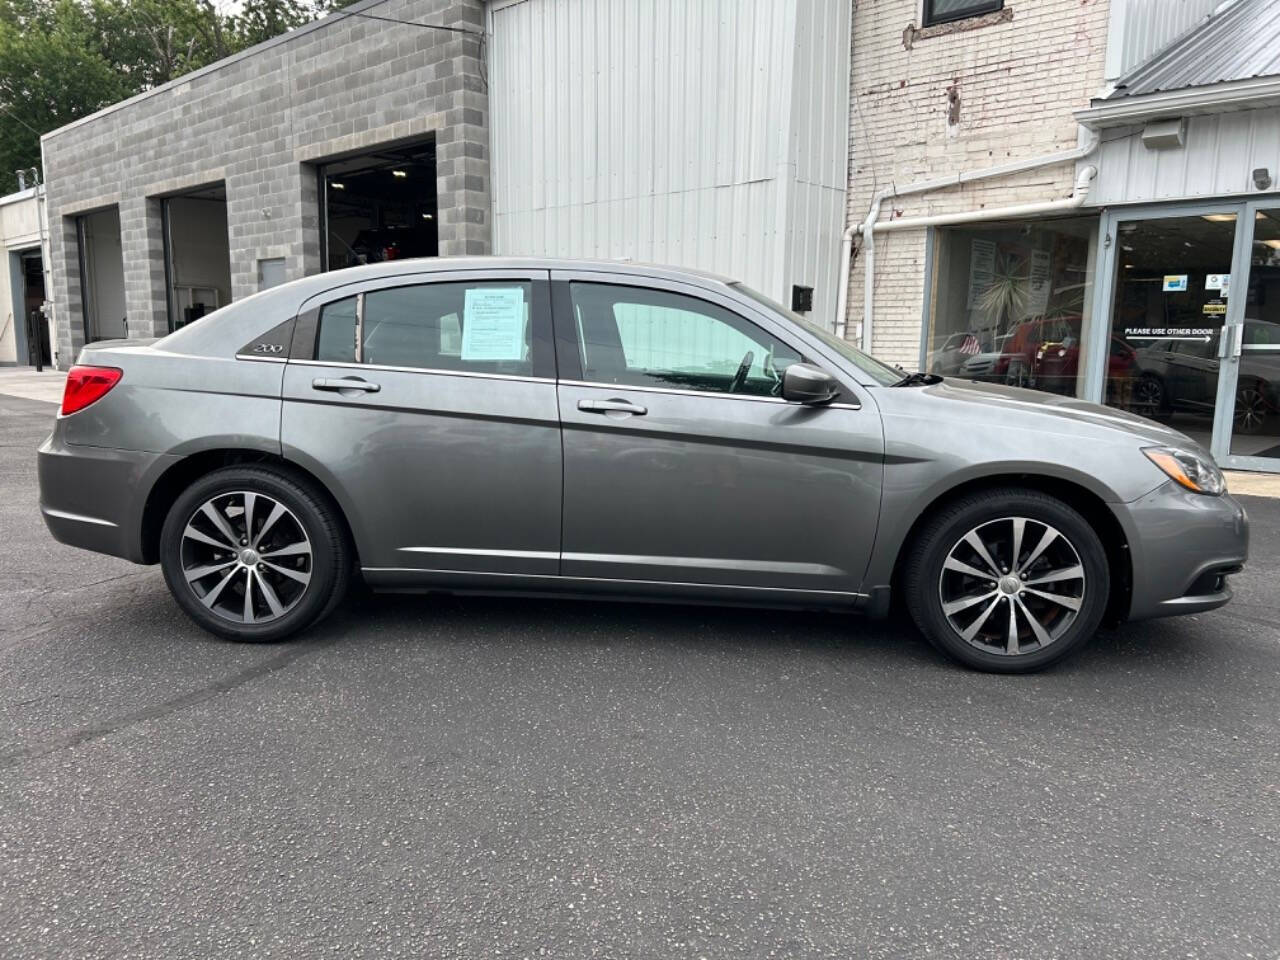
x,y
173,404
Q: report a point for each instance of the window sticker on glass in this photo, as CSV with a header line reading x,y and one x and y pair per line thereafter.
x,y
493,324
1175,282
1218,281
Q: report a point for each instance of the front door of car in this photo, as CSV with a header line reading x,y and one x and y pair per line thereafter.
x,y
427,405
683,464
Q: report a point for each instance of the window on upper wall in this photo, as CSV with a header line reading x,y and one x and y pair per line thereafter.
x,y
944,11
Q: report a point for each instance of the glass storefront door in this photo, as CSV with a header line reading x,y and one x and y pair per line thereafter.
x,y
1253,350
1191,297
1168,309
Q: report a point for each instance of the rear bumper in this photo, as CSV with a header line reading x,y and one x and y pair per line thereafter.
x,y
92,497
1183,547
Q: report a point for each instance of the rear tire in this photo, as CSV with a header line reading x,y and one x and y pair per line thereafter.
x,y
991,610
253,554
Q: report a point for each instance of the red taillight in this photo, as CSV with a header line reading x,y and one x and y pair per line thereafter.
x,y
87,384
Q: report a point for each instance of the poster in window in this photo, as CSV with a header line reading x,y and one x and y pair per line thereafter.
x,y
1039,282
493,324
982,267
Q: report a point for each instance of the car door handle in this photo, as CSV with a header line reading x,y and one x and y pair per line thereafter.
x,y
344,383
612,406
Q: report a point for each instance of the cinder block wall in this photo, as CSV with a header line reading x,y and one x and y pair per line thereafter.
x,y
1019,75
260,121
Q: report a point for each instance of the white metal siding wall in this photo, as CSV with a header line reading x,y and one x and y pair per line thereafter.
x,y
1221,152
1141,28
673,131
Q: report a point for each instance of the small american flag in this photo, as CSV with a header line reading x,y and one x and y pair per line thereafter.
x,y
970,345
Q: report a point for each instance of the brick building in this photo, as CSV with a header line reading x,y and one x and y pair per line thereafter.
x,y
1062,195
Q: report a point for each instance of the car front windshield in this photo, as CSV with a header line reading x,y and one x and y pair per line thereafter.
x,y
881,373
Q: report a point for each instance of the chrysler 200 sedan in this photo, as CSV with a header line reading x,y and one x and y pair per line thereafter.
x,y
605,429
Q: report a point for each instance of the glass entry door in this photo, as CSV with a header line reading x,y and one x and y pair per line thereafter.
x,y
1169,307
1249,431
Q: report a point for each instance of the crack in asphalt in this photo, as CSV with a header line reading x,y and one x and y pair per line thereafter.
x,y
75,738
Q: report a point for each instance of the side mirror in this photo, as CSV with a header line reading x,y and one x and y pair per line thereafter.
x,y
805,383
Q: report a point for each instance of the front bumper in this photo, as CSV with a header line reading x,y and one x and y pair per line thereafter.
x,y
1183,546
93,497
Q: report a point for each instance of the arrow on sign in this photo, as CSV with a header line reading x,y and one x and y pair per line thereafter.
x,y
1204,339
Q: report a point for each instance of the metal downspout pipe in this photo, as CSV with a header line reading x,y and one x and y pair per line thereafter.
x,y
868,227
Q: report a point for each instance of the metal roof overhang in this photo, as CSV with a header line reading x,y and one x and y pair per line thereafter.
x,y
1250,94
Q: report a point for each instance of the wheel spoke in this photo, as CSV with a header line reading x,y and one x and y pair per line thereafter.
x,y
292,550
210,598
298,575
276,513
961,567
191,533
249,499
197,573
248,595
971,631
269,594
975,541
1011,642
219,521
1036,627
1019,527
1050,535
955,606
1053,576
1071,603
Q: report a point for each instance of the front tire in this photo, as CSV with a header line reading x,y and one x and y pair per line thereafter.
x,y
1007,580
252,554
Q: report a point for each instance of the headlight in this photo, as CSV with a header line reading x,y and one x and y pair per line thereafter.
x,y
1196,473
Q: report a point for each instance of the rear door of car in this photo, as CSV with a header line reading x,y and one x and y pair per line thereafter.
x,y
672,476
427,404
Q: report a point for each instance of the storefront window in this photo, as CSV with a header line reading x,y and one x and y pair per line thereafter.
x,y
1010,303
1173,278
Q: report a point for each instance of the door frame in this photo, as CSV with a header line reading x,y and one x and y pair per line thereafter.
x,y
1104,302
1231,348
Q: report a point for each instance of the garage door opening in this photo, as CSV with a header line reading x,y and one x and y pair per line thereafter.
x,y
38,352
102,275
197,253
379,206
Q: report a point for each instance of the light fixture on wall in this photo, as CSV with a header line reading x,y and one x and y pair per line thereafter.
x,y
399,173
338,186
427,216
1262,178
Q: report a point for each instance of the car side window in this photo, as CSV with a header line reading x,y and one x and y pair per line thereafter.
x,y
654,338
336,342
480,327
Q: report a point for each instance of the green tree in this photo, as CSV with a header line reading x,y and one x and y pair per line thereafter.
x,y
52,71
64,59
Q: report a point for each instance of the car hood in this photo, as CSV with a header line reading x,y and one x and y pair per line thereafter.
x,y
968,401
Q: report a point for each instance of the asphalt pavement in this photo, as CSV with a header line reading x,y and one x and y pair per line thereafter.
x,y
470,777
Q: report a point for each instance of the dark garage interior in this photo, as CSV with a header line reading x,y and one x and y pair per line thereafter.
x,y
380,206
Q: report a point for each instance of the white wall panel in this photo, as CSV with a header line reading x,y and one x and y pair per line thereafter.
x,y
1139,29
709,134
1219,157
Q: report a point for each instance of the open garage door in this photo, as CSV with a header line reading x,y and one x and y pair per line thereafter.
x,y
197,253
379,206
102,275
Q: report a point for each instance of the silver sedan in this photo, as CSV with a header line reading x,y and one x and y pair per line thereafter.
x,y
605,429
